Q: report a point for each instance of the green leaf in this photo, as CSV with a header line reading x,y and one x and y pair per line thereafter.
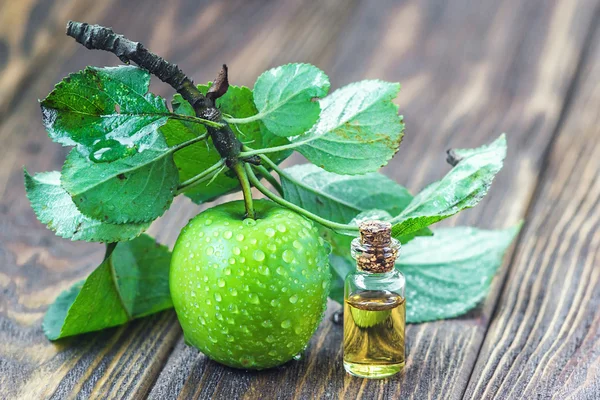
x,y
107,112
198,157
139,188
447,274
463,187
359,129
340,198
131,282
54,207
238,102
284,97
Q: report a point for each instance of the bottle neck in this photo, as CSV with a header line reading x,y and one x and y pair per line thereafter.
x,y
375,257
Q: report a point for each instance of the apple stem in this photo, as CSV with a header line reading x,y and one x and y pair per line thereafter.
x,y
283,202
242,176
270,178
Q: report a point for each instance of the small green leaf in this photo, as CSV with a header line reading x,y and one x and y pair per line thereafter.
x,y
198,157
447,274
463,187
54,207
132,282
340,198
359,129
284,97
107,112
139,188
238,102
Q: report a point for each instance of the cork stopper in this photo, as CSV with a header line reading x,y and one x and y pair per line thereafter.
x,y
375,250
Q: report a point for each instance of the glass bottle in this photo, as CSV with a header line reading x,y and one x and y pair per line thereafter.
x,y
374,305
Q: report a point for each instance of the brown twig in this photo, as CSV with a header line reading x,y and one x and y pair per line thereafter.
x,y
227,144
101,38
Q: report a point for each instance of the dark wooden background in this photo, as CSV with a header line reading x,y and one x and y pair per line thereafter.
x,y
469,69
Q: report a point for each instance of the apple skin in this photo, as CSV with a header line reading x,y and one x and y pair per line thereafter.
x,y
250,293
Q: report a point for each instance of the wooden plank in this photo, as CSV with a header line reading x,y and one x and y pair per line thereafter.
x,y
544,341
470,70
35,266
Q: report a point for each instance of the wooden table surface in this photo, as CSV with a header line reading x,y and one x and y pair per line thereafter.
x,y
469,69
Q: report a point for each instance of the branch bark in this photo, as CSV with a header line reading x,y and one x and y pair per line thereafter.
x,y
98,37
227,144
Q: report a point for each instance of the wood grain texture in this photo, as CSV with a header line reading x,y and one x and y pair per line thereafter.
x,y
470,70
544,341
35,266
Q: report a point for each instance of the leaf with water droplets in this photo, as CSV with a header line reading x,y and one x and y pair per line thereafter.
x,y
359,129
106,112
54,207
446,274
132,281
139,188
449,273
463,187
285,98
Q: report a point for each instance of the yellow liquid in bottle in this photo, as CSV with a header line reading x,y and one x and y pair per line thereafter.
x,y
374,322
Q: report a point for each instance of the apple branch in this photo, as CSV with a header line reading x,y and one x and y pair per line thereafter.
x,y
98,37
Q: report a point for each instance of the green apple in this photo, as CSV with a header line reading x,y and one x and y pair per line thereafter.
x,y
250,293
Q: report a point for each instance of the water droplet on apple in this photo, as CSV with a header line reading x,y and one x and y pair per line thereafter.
x,y
288,256
259,255
267,324
253,298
